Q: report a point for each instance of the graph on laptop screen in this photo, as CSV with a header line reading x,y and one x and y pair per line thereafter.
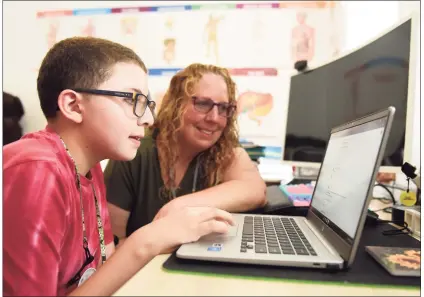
x,y
347,168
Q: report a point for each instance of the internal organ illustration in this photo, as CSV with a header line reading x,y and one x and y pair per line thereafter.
x,y
89,29
129,25
256,105
129,32
169,42
52,33
169,50
303,39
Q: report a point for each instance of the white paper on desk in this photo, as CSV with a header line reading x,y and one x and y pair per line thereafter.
x,y
275,171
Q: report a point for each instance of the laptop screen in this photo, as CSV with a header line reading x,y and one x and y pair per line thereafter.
x,y
346,171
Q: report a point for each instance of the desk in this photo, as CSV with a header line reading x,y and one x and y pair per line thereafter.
x,y
153,280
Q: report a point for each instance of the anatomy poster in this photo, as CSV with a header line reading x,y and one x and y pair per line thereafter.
x,y
270,35
267,38
310,38
261,104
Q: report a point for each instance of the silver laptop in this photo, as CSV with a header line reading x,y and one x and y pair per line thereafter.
x,y
328,236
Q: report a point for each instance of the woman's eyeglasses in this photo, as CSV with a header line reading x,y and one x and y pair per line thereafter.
x,y
139,101
205,105
88,259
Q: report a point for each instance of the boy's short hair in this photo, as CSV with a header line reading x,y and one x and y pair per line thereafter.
x,y
78,62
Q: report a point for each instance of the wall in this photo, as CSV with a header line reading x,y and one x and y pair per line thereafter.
x,y
367,19
361,24
19,23
405,9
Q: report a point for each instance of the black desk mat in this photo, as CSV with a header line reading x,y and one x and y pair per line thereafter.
x,y
364,271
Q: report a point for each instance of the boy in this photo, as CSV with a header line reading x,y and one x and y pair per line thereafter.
x,y
57,235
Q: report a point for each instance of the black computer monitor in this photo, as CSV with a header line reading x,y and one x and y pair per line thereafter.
x,y
371,78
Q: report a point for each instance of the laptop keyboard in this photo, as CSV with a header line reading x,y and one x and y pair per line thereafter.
x,y
274,236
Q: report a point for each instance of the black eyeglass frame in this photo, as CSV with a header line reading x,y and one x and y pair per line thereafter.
x,y
134,96
229,111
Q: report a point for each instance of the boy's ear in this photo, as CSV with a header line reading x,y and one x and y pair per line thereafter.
x,y
70,106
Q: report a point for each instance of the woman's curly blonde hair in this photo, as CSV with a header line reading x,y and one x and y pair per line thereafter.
x,y
170,120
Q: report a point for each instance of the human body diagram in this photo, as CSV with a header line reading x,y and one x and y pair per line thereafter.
x,y
211,34
303,40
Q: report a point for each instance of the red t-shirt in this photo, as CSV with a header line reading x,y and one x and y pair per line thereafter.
x,y
42,231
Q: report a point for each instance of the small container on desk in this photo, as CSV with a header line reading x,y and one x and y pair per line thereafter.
x,y
299,194
413,219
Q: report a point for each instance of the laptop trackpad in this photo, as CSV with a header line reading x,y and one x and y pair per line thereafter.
x,y
232,231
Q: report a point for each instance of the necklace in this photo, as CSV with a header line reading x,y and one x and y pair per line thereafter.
x,y
99,218
196,173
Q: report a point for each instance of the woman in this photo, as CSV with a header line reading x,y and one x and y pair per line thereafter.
x,y
192,157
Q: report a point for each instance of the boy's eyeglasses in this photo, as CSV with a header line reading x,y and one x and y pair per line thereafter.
x,y
139,101
205,105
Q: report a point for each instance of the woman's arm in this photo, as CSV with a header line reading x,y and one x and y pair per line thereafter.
x,y
120,177
242,189
119,220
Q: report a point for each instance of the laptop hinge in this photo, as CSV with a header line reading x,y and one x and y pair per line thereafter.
x,y
322,239
335,267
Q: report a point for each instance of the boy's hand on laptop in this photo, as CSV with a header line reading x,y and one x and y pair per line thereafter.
x,y
170,207
188,225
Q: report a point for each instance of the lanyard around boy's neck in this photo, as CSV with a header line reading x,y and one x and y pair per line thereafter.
x,y
172,175
99,218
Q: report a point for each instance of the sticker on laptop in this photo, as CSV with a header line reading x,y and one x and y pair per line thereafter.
x,y
216,247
